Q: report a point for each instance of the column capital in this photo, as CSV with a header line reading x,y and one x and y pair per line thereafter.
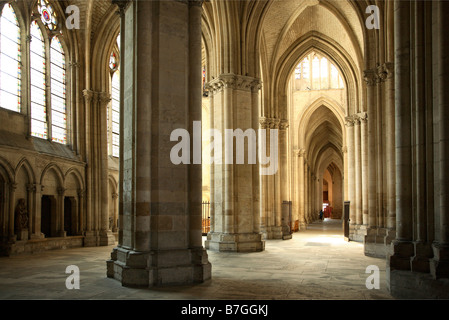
x,y
371,77
88,95
385,71
363,117
122,5
81,193
269,123
61,191
74,64
13,186
103,98
234,81
300,152
344,149
284,124
31,187
349,121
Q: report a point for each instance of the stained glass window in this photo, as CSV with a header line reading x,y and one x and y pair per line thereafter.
x,y
115,114
58,92
48,16
38,96
10,66
113,61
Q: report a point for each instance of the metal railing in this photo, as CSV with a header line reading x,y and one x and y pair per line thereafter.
x,y
206,217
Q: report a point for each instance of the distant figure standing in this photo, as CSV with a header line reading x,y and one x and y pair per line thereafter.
x,y
321,214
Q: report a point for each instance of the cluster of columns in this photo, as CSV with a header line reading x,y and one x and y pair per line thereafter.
x,y
234,190
422,157
274,187
307,190
97,202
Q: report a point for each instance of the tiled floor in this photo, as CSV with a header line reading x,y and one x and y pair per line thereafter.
x,y
316,264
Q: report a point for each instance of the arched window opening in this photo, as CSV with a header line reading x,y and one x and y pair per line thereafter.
x,y
316,72
10,64
58,92
39,126
48,100
115,114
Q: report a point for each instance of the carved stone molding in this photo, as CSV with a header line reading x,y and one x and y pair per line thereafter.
x,y
269,123
61,191
233,81
122,5
385,71
370,77
350,121
283,124
102,98
300,152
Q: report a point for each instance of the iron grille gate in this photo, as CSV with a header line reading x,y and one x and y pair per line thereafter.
x,y
206,217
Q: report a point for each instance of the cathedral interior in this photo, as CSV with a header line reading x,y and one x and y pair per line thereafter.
x,y
347,97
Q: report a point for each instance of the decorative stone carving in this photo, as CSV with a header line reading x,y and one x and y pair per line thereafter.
x,y
283,124
385,71
233,81
350,121
300,152
21,216
371,77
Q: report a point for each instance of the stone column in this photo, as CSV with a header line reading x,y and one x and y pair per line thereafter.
x,y
31,207
60,212
88,233
358,170
102,100
370,77
36,225
306,192
402,248
12,208
386,75
115,213
237,215
265,187
364,160
161,230
301,189
81,218
351,172
439,265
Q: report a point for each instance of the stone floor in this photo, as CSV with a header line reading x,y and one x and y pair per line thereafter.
x,y
317,264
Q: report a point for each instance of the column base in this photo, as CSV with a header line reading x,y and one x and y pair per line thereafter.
x,y
240,242
399,255
377,242
439,264
270,233
420,262
416,285
90,239
357,232
106,238
159,268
